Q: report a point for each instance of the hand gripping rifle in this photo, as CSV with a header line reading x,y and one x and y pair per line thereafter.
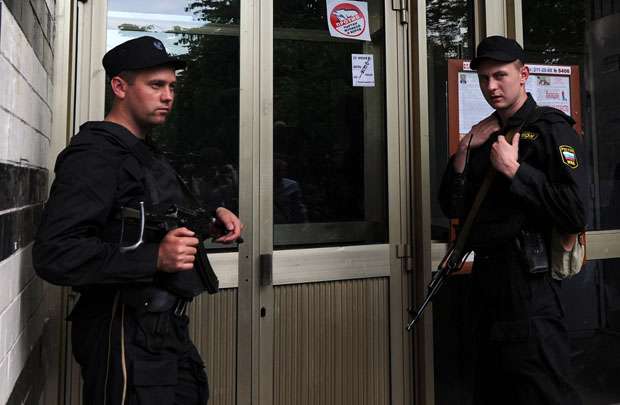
x,y
205,226
457,254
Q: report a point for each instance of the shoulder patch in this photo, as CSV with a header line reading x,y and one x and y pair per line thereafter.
x,y
528,136
569,157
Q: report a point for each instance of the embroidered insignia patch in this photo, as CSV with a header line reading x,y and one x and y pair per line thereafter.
x,y
569,157
528,136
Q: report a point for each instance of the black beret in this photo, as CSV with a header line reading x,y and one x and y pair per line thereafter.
x,y
139,53
497,48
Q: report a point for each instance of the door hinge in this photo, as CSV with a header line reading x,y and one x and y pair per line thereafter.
x,y
403,252
402,6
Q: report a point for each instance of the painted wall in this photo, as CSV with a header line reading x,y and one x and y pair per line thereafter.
x,y
26,63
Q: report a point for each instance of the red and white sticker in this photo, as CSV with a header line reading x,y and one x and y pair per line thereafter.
x,y
348,19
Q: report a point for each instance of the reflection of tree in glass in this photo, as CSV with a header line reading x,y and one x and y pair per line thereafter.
x,y
205,118
321,125
306,14
447,27
215,11
554,32
318,115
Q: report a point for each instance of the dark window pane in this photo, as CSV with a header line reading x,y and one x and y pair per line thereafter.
x,y
329,136
586,33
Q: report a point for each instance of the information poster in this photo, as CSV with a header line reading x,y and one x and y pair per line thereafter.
x,y
548,85
472,105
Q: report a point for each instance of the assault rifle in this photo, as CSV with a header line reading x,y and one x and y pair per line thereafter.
x,y
204,225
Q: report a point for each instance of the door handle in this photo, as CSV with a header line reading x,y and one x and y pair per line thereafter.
x,y
266,269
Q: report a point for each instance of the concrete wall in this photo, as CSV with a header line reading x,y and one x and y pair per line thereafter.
x,y
27,356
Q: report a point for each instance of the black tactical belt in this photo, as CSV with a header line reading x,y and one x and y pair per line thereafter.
x,y
152,299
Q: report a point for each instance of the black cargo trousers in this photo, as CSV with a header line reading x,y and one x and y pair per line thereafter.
x,y
155,363
522,347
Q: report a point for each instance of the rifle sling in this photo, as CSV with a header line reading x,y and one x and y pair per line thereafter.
x,y
463,235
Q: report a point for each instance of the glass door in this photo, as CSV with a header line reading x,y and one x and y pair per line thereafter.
x,y
330,326
320,284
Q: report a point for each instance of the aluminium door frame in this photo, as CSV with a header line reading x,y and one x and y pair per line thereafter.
x,y
255,300
255,349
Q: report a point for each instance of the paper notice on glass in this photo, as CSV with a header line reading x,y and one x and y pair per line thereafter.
x,y
363,69
348,19
550,91
473,108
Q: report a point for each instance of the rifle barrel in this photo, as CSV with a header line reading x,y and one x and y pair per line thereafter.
x,y
432,292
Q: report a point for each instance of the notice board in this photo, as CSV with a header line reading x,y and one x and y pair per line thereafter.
x,y
550,85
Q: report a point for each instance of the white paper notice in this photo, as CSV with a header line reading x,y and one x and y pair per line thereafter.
x,y
473,108
348,19
363,69
550,91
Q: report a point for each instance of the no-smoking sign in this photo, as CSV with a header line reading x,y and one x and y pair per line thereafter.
x,y
348,19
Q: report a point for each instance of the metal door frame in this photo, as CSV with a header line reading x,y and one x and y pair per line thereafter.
x,y
256,299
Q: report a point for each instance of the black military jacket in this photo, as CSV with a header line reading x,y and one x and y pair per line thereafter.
x,y
547,190
95,175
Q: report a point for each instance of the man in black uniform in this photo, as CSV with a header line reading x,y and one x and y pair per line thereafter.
x,y
521,339
129,328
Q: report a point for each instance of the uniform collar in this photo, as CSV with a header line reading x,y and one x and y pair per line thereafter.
x,y
142,150
521,116
119,132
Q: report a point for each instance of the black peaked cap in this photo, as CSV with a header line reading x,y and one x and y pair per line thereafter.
x,y
497,48
139,53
